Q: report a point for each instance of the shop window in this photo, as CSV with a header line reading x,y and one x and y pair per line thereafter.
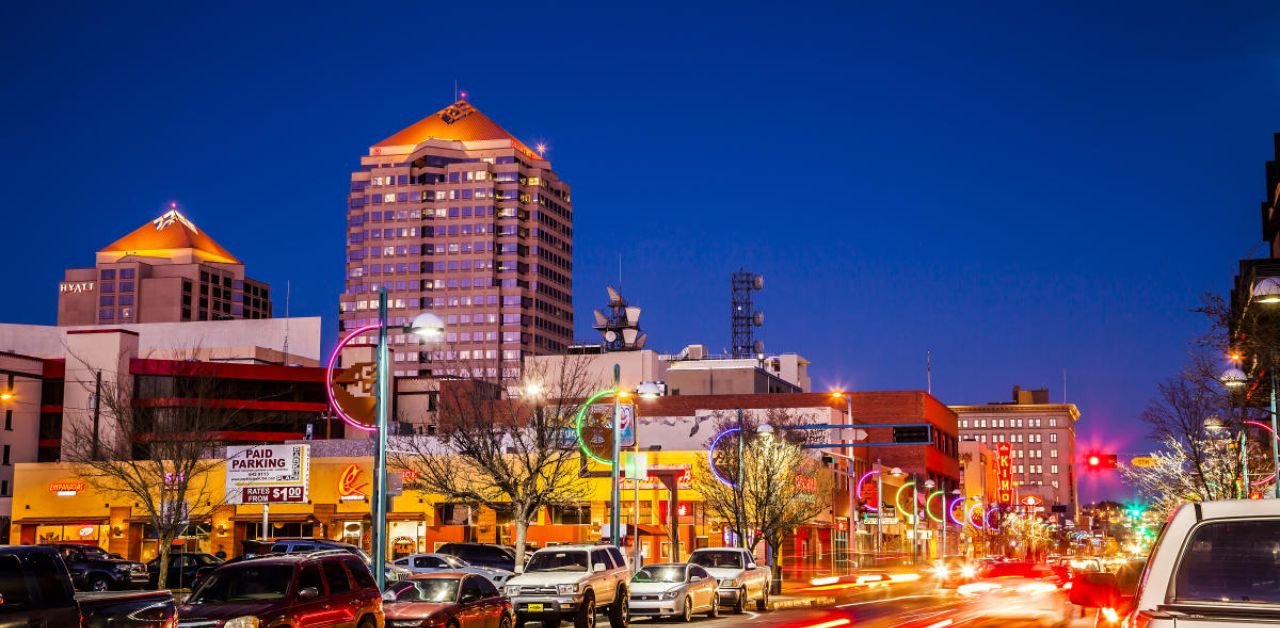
x,y
453,514
573,514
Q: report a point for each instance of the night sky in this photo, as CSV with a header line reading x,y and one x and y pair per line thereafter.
x,y
1019,188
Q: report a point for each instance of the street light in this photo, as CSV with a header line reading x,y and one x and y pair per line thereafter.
x,y
928,491
7,396
646,390
1234,379
427,326
853,497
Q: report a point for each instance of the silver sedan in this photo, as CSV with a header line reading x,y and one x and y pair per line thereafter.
x,y
431,563
677,589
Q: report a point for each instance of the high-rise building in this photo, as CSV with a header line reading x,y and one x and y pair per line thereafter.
x,y
455,215
1042,439
165,271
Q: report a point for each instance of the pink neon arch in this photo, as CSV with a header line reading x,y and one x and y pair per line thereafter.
x,y
862,479
951,512
328,389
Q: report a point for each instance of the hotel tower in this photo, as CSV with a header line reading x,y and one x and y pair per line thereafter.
x,y
456,216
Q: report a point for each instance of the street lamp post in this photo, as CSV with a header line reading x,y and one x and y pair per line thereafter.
x,y
739,496
615,496
928,491
428,326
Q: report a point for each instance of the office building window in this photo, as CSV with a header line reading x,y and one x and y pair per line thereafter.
x,y
1053,438
6,456
1053,423
8,420
4,488
1054,483
964,424
1053,468
1053,453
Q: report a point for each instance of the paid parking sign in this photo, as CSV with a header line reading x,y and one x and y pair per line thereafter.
x,y
268,474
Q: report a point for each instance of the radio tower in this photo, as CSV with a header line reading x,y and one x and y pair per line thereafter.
x,y
743,317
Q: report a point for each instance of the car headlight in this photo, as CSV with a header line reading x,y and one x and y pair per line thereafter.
x,y
247,621
124,568
668,595
729,582
511,590
968,572
941,571
567,589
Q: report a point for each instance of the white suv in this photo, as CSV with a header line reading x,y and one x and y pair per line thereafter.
x,y
572,581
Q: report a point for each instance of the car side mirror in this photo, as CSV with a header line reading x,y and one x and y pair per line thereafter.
x,y
467,598
599,567
751,565
695,578
309,593
1097,589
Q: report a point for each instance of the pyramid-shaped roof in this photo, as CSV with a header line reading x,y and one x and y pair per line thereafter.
x,y
458,122
169,236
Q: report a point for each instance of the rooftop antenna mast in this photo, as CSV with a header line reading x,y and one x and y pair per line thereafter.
x,y
288,289
742,315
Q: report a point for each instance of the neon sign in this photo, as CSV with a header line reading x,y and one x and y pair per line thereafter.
x,y
349,485
357,411
1004,472
75,287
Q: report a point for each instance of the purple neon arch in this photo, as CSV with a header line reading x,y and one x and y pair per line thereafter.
x,y
711,457
328,389
951,512
968,515
863,479
987,519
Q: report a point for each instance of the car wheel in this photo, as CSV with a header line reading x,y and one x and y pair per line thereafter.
x,y
99,583
762,604
687,615
586,615
740,606
620,610
715,605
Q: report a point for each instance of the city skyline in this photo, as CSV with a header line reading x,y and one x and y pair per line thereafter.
x,y
969,190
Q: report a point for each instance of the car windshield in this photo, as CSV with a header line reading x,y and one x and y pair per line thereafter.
x,y
670,573
1231,561
427,590
453,561
242,583
95,553
1016,570
727,560
558,561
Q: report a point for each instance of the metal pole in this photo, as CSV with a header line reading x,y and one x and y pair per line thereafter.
x,y
853,489
915,521
1275,446
879,510
615,501
378,536
740,497
266,508
635,483
1244,464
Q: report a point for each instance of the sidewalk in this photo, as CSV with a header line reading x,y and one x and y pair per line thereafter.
x,y
793,596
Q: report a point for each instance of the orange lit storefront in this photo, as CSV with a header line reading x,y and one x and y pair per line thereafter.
x,y
51,503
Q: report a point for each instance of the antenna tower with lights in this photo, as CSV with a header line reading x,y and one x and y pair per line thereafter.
x,y
743,318
620,328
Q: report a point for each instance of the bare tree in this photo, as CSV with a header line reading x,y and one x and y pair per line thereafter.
x,y
504,446
782,486
155,443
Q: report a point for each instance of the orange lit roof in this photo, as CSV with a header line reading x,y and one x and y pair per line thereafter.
x,y
458,122
167,235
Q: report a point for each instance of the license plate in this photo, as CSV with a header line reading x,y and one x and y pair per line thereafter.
x,y
535,608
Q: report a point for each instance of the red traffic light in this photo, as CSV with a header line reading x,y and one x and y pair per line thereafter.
x,y
1094,462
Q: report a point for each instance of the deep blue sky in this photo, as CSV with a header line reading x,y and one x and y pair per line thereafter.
x,y
1020,188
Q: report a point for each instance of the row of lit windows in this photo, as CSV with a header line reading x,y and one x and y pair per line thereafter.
x,y
1017,438
1032,453
966,423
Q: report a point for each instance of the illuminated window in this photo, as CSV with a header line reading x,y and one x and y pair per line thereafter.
x,y
1053,423
1053,453
1053,468
389,198
1053,438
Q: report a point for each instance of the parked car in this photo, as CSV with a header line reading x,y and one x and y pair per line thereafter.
x,y
327,588
1124,583
740,579
456,599
1019,591
572,581
482,554
1215,564
431,563
392,572
36,590
184,569
93,569
674,589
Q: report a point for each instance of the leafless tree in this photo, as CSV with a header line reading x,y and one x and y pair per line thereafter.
x,y
156,443
503,446
782,486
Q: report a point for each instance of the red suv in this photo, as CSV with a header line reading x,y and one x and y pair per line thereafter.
x,y
321,589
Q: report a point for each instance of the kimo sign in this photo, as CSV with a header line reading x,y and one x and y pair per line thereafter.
x,y
268,474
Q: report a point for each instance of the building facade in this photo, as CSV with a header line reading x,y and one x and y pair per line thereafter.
x,y
164,271
455,215
1042,438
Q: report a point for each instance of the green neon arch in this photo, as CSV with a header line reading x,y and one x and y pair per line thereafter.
x,y
897,499
577,425
929,500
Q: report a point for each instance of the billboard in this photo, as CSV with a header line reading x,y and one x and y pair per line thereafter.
x,y
1004,473
268,474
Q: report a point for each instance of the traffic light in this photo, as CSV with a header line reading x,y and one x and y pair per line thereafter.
x,y
828,460
1095,461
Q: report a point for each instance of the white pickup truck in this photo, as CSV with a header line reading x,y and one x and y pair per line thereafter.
x,y
571,582
740,579
1216,564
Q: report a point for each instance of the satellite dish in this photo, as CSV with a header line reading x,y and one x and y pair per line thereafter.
x,y
759,319
610,336
759,282
759,346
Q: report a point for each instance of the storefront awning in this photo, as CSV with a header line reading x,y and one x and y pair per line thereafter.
x,y
63,521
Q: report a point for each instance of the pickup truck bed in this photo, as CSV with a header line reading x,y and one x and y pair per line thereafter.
x,y
36,592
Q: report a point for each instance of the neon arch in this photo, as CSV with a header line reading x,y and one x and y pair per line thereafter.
x,y
951,512
328,389
987,519
928,501
711,457
862,480
968,516
897,499
577,426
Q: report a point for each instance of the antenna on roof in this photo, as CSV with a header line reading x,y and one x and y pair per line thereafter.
x,y
288,290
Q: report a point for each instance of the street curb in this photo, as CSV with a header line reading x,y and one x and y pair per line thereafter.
x,y
800,602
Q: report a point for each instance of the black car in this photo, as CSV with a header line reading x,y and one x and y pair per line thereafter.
x,y
184,569
481,554
36,590
93,569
